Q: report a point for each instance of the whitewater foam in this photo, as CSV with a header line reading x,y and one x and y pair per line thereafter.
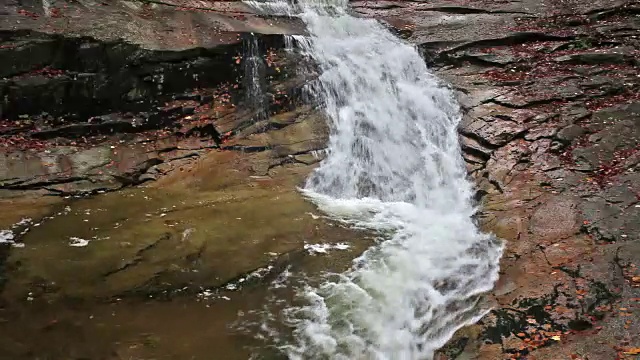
x,y
393,165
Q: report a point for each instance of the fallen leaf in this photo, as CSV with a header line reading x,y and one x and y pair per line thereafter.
x,y
632,351
555,337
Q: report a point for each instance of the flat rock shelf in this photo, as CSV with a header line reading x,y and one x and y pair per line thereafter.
x,y
182,179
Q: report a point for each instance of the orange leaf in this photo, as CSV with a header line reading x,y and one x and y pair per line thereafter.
x,y
632,351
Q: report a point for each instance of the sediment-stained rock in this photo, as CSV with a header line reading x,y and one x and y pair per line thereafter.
x,y
152,99
550,136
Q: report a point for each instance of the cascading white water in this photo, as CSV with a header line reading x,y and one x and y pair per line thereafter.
x,y
394,165
254,77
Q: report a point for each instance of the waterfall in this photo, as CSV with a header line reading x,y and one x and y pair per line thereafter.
x,y
393,164
254,70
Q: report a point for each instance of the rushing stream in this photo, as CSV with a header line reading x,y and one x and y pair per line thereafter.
x,y
393,166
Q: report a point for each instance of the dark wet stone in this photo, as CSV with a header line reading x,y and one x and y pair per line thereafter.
x,y
570,133
610,222
580,324
493,131
475,148
540,132
613,56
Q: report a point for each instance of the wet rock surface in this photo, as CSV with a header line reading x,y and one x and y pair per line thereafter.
x,y
101,95
150,98
150,154
550,135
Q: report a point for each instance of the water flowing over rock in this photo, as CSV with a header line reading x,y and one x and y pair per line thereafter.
x,y
393,164
254,76
271,179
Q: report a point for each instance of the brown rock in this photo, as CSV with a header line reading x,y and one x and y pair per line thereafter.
x,y
555,219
